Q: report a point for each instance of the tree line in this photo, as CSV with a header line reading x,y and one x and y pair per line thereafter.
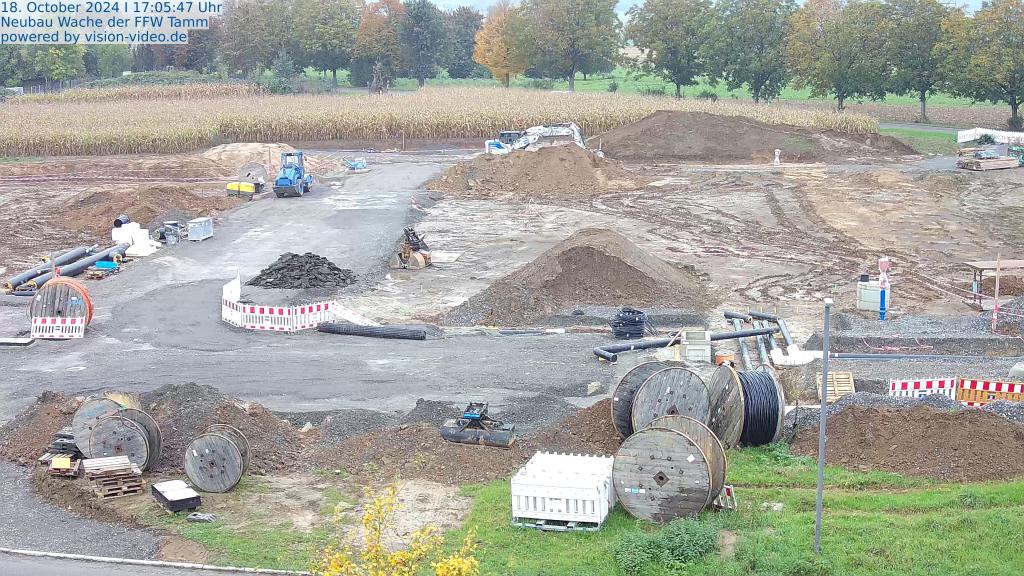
x,y
843,49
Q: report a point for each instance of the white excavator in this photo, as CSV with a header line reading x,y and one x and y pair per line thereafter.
x,y
536,137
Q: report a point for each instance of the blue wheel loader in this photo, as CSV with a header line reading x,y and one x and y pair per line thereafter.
x,y
292,180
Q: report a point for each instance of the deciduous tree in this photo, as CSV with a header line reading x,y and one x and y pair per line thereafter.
x,y
56,63
494,47
327,33
560,37
669,33
983,57
917,30
462,24
378,40
841,49
423,37
745,44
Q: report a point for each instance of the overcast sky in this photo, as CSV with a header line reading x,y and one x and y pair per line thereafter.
x,y
483,5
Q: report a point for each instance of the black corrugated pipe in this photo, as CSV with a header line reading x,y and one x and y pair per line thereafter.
x,y
392,332
610,352
59,260
78,266
859,356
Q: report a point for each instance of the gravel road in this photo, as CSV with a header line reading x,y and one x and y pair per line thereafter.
x,y
31,524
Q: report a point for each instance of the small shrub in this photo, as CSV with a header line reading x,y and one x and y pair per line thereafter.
x,y
986,139
707,94
653,91
636,552
685,540
613,86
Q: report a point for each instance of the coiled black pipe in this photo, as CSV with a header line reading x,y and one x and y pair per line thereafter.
x,y
760,407
629,324
391,332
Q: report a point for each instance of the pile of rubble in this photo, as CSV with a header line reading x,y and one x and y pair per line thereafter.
x,y
295,271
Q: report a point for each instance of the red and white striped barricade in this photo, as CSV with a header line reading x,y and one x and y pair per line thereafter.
x,y
56,328
923,387
981,392
271,318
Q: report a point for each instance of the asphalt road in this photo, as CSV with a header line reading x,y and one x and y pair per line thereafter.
x,y
16,565
158,321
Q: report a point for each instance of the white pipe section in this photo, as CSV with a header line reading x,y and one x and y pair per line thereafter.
x,y
794,356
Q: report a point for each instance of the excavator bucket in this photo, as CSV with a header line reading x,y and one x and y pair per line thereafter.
x,y
414,261
476,427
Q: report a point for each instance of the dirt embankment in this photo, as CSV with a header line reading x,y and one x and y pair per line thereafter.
x,y
591,267
94,211
668,136
961,446
555,172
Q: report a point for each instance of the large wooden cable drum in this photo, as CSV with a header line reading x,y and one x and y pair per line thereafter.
x,y
708,443
152,430
622,397
62,297
726,414
86,417
216,460
118,436
670,391
660,475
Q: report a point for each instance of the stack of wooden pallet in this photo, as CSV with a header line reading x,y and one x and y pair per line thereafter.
x,y
113,477
995,163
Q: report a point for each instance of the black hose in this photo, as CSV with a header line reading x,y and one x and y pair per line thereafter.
x,y
610,352
760,407
391,332
630,324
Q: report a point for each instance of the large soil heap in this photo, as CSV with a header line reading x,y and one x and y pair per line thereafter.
x,y
94,211
669,136
302,271
568,172
967,445
591,267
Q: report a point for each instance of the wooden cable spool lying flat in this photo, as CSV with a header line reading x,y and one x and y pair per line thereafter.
x,y
117,436
726,414
622,397
216,460
671,391
660,475
708,443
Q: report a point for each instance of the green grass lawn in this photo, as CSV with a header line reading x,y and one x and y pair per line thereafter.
x,y
926,141
874,523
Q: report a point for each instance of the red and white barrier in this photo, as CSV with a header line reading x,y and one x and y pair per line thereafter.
x,y
56,328
272,318
923,387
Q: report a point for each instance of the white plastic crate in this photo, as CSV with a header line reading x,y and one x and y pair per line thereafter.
x,y
566,489
200,229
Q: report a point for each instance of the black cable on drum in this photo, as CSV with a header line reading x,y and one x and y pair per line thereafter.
x,y
760,407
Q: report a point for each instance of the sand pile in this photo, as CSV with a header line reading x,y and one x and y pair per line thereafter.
x,y
239,154
94,211
295,271
29,434
183,411
593,266
960,446
558,172
669,136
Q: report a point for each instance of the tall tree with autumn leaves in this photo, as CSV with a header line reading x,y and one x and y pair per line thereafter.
x,y
379,42
494,47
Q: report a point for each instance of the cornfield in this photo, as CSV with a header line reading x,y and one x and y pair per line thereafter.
x,y
193,91
167,125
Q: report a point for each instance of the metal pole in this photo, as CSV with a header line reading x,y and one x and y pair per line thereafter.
x,y
822,417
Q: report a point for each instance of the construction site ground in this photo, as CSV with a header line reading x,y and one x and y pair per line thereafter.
x,y
773,238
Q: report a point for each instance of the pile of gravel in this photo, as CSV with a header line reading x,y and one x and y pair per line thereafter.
x,y
431,411
1012,411
294,271
347,423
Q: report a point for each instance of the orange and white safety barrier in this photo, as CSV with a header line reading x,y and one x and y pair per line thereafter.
x,y
923,387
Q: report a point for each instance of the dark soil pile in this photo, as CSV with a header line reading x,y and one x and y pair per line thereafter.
x,y
94,211
29,434
589,431
669,136
961,446
183,411
431,412
558,172
302,271
593,266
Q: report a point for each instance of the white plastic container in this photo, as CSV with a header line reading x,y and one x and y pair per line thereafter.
x,y
565,489
200,229
868,296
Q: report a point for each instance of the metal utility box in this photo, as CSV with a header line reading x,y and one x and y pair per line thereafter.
x,y
200,228
563,492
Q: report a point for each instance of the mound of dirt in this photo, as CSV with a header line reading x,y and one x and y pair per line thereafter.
x,y
302,271
669,136
29,434
555,172
183,411
588,431
593,266
954,446
94,211
239,154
